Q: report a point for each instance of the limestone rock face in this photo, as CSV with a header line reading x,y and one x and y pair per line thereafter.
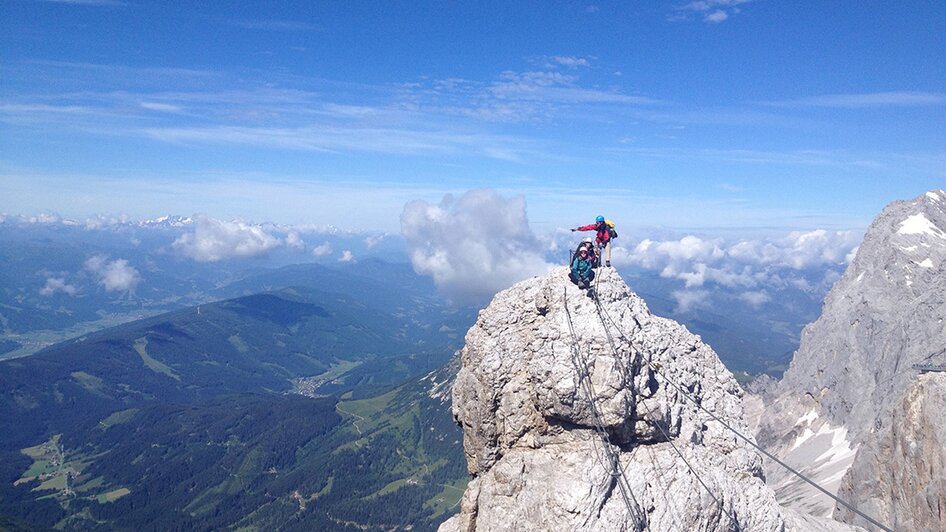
x,y
899,473
529,424
885,314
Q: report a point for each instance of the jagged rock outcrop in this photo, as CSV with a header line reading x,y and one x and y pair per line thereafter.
x,y
529,438
854,363
899,473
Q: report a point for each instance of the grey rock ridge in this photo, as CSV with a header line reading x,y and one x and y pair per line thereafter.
x,y
885,314
537,462
899,473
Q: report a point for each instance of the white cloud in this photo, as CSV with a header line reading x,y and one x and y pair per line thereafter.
x,y
688,300
102,3
116,275
45,218
716,16
101,221
96,263
57,284
273,25
162,107
373,241
322,249
472,246
745,263
570,61
294,241
862,100
755,298
712,11
798,250
214,240
346,256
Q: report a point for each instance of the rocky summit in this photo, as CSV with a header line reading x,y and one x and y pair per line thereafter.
x,y
553,384
855,362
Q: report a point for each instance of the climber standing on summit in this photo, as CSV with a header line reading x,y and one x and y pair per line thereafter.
x,y
605,230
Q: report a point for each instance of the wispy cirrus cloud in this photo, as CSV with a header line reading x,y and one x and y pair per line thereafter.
x,y
557,87
99,3
568,61
162,107
427,117
273,25
339,139
865,100
831,158
711,11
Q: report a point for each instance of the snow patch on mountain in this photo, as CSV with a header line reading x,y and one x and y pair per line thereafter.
x,y
854,363
919,224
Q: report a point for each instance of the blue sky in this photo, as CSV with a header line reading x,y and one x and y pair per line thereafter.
x,y
711,116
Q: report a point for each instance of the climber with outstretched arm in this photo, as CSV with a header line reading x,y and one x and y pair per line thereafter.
x,y
603,237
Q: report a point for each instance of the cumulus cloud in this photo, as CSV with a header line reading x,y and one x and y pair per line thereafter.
x,y
294,241
748,270
474,245
373,241
322,249
57,284
799,250
102,221
116,275
45,218
745,263
346,256
689,300
214,240
756,298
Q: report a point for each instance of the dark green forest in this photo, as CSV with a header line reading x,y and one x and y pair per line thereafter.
x,y
187,421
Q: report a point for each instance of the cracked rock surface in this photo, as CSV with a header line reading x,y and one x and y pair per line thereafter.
x,y
529,424
899,473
